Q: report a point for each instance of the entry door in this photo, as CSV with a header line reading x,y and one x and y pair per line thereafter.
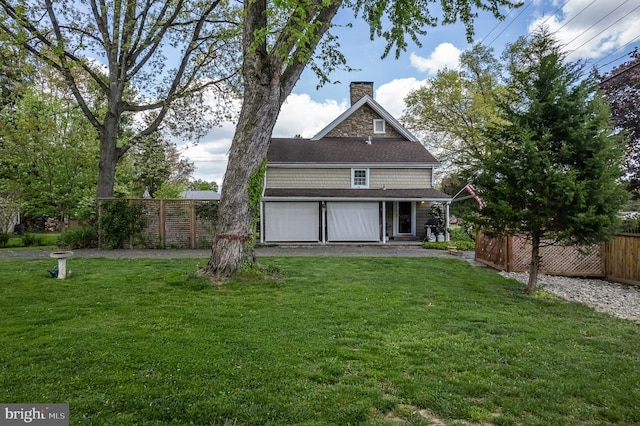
x,y
405,218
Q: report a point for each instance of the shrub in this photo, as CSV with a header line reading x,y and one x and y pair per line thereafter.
x,y
460,245
30,240
4,239
120,221
207,211
459,233
631,224
83,237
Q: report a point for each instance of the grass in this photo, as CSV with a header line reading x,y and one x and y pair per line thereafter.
x,y
37,240
335,341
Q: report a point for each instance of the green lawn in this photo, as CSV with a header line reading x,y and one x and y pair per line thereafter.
x,y
336,341
36,240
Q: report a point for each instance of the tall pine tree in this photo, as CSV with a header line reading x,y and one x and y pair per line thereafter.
x,y
552,173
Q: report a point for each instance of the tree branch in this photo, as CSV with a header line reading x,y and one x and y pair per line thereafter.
x,y
64,68
153,39
320,26
102,24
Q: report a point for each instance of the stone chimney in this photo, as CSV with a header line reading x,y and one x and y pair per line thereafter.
x,y
358,89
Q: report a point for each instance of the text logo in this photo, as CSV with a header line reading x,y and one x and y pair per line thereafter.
x,y
34,414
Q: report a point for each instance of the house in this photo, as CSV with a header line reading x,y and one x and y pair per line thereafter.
x,y
363,178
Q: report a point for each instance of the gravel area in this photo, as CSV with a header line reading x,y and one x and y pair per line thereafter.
x,y
620,300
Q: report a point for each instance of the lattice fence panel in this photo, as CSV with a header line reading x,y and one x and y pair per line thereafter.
x,y
520,254
204,227
177,229
558,259
492,251
170,223
150,237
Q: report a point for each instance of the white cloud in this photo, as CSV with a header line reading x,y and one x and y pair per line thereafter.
x,y
300,115
445,55
391,95
210,154
593,29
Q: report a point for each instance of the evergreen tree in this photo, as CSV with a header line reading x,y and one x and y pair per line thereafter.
x,y
552,173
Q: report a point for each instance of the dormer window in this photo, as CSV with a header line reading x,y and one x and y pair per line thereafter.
x,y
378,126
359,178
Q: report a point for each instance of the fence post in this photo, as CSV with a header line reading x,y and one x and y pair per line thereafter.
x,y
129,204
161,220
604,258
508,252
100,200
192,222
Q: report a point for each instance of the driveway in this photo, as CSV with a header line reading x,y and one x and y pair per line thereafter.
x,y
376,250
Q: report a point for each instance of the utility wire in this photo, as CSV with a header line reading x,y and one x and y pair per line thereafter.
x,y
512,9
611,77
615,51
596,23
512,21
555,11
576,15
498,24
620,19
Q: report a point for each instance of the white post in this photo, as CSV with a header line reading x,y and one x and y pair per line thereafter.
x,y
262,222
446,222
384,222
62,268
323,207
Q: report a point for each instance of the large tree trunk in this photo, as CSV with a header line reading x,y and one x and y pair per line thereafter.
x,y
260,109
535,263
106,165
268,79
109,154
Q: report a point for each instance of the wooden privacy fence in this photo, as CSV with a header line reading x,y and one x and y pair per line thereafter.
x,y
622,259
616,260
171,224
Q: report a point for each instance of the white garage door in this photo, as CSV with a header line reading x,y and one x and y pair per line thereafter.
x,y
353,222
291,221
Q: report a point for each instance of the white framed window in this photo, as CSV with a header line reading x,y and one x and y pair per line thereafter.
x,y
378,126
359,178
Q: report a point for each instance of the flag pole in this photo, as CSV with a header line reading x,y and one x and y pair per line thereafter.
x,y
458,193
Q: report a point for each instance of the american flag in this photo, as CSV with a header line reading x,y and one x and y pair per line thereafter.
x,y
472,190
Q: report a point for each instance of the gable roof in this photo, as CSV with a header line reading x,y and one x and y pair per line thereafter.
x,y
377,108
349,151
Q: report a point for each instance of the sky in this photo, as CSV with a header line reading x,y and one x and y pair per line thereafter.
x,y
600,32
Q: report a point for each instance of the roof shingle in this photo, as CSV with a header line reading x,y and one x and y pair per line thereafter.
x,y
381,194
348,151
